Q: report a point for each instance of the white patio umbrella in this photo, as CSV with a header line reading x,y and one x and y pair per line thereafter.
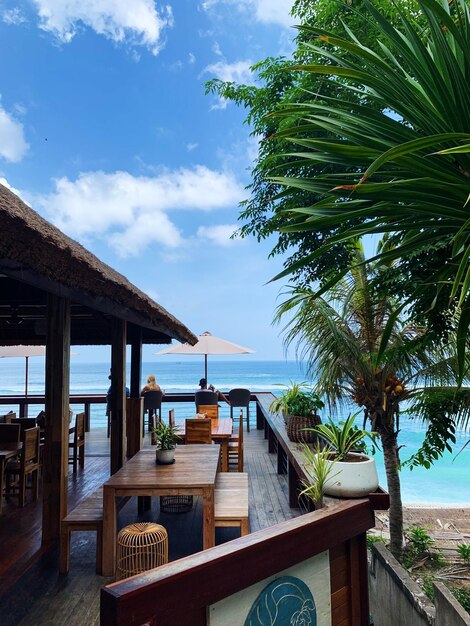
x,y
23,351
207,344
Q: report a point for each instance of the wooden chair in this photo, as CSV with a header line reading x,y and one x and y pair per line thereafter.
x,y
28,464
198,430
9,433
210,410
231,501
235,448
25,422
7,417
77,445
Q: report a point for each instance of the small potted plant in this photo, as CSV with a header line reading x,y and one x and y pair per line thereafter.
x,y
166,438
355,471
319,468
299,404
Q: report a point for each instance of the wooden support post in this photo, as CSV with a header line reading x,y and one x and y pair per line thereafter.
x,y
271,440
118,395
136,362
293,482
259,417
281,460
134,416
56,448
87,417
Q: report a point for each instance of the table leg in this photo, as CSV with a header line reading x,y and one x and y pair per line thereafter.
x,y
109,531
208,525
224,454
2,467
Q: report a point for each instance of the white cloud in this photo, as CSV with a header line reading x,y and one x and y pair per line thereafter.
x,y
191,58
265,11
131,212
238,72
191,146
134,21
5,183
216,49
219,234
13,145
14,16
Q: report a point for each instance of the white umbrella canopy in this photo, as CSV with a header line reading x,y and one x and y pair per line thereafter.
x,y
26,352
207,344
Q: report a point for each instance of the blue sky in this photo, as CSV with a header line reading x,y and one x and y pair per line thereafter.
x,y
106,131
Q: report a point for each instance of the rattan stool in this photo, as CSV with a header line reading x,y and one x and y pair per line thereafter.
x,y
176,504
140,547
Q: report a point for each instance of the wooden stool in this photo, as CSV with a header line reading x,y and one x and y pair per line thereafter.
x,y
140,547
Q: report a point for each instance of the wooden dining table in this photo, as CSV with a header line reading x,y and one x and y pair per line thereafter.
x,y
193,473
221,432
7,451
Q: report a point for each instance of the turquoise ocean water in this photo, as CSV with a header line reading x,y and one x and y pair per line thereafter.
x,y
447,482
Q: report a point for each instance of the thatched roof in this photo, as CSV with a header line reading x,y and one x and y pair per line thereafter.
x,y
34,251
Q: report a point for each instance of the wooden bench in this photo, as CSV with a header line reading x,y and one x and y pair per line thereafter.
x,y
231,501
87,515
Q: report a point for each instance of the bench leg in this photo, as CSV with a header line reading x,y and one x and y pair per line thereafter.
x,y
64,563
244,527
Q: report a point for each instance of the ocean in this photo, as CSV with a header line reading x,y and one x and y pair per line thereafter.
x,y
446,483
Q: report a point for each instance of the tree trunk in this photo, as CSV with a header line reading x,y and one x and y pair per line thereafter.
x,y
388,437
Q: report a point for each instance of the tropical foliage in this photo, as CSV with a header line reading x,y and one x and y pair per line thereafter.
x,y
319,466
297,399
401,151
339,334
344,437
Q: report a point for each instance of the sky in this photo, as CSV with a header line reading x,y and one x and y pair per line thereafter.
x,y
106,131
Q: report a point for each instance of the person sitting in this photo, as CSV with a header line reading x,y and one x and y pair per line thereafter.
x,y
210,388
151,384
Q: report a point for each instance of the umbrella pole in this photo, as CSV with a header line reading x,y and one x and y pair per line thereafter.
x,y
205,366
26,386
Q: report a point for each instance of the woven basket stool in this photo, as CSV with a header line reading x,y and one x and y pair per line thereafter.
x,y
176,504
140,547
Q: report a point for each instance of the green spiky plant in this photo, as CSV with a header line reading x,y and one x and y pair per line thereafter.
x,y
344,437
320,467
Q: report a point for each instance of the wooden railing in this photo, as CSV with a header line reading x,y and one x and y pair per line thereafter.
x,y
185,591
87,400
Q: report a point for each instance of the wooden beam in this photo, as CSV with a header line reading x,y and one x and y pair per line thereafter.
x,y
136,362
118,394
55,458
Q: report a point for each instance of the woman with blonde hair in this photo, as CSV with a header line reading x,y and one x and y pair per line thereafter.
x,y
151,384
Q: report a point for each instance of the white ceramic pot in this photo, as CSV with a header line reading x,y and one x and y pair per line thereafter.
x,y
165,456
352,479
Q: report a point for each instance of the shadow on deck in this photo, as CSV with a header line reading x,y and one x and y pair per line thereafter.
x,y
39,595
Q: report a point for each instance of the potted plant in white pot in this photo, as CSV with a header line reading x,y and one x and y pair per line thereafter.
x,y
166,438
355,473
299,404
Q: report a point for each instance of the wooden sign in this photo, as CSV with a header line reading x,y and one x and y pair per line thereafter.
x,y
297,596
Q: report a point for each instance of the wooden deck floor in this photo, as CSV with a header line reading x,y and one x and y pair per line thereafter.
x,y
40,596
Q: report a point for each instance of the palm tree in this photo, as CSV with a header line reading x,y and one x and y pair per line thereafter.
x,y
339,334
403,149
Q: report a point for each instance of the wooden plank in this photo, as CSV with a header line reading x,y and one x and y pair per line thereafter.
x,y
118,395
136,361
55,455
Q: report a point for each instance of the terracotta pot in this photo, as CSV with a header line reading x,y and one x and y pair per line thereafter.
x,y
353,479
